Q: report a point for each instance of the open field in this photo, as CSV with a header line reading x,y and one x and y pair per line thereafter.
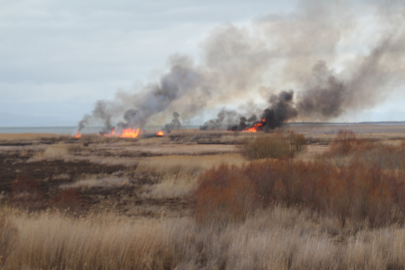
x,y
168,203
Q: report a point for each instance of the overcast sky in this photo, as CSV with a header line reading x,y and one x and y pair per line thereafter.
x,y
59,57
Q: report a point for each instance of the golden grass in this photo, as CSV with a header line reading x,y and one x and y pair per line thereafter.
x,y
179,172
97,242
93,181
276,239
28,136
58,150
176,164
172,186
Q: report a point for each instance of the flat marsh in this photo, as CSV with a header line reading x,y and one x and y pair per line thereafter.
x,y
195,200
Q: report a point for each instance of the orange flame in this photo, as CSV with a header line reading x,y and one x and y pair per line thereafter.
x,y
78,135
126,133
160,133
254,128
129,133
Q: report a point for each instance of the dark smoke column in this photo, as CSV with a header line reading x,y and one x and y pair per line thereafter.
x,y
280,111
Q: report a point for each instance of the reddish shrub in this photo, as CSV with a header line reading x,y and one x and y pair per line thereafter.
x,y
26,193
274,146
343,143
350,192
297,143
68,200
222,195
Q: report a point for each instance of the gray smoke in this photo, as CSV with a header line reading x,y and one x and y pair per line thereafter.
x,y
328,95
174,124
310,50
324,97
224,117
280,110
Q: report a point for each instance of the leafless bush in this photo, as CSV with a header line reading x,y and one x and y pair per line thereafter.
x,y
274,146
353,192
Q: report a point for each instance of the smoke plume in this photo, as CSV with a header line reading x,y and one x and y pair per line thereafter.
x,y
323,51
174,124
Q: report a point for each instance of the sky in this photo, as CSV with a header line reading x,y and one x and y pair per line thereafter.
x,y
58,58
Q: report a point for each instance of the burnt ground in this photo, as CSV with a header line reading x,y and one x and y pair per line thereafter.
x,y
12,167
92,155
50,173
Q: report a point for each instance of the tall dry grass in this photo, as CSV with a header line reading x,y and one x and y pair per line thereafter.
x,y
171,186
178,173
30,136
54,241
185,164
91,181
281,238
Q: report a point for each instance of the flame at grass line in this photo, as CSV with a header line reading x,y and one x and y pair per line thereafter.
x,y
129,133
160,133
255,127
126,133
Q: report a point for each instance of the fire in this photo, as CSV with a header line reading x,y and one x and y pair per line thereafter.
x,y
126,133
252,129
256,126
78,135
129,133
160,133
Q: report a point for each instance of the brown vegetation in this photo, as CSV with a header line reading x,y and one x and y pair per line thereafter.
x,y
26,193
155,204
351,192
274,146
283,238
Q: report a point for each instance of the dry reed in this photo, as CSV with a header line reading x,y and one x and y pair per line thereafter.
x,y
279,238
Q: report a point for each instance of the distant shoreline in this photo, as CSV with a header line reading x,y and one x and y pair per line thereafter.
x,y
348,123
96,129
